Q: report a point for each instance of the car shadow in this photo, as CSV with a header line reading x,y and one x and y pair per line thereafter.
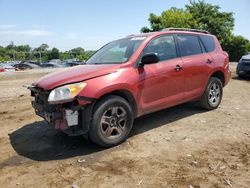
x,y
38,141
165,117
247,78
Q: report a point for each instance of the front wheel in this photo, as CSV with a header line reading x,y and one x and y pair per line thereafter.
x,y
213,94
112,121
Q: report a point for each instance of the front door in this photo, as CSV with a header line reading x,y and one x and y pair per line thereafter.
x,y
161,83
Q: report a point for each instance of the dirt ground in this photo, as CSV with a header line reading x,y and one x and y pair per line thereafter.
x,y
183,146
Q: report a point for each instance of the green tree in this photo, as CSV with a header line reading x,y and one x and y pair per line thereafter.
x,y
248,47
42,51
237,46
65,55
10,47
53,54
173,17
20,55
210,18
42,47
2,53
23,48
77,51
2,59
88,54
205,16
155,24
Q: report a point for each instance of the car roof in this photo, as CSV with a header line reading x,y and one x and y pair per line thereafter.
x,y
173,31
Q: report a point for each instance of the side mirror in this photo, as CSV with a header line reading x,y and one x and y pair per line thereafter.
x,y
149,59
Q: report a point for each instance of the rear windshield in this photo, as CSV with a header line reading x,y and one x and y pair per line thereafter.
x,y
208,42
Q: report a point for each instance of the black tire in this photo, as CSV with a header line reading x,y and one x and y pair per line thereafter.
x,y
241,76
112,121
212,96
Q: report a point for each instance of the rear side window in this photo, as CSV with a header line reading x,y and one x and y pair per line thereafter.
x,y
189,45
208,42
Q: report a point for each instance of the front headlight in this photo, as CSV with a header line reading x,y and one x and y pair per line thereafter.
x,y
240,61
65,93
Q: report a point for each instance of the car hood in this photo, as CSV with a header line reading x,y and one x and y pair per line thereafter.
x,y
74,74
246,57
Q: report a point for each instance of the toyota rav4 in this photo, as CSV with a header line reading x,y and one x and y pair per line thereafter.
x,y
130,77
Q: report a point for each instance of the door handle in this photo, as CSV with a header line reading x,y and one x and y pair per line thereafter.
x,y
178,68
209,61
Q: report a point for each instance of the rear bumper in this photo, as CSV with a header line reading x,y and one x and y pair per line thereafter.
x,y
228,75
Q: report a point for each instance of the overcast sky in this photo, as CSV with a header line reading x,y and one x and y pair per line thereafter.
x,y
91,23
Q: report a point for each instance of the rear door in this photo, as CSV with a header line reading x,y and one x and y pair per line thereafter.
x,y
197,65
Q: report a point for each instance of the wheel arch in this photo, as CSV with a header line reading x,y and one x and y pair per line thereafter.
x,y
220,75
127,95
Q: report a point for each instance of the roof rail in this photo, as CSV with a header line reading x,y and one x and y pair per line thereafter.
x,y
185,29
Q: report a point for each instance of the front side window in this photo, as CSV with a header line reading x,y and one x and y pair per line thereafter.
x,y
116,52
163,46
189,45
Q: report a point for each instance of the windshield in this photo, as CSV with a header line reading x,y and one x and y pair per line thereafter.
x,y
116,52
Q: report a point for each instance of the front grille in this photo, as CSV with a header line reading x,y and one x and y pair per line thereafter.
x,y
246,61
41,98
40,102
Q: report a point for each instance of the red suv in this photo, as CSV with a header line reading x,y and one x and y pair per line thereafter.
x,y
130,77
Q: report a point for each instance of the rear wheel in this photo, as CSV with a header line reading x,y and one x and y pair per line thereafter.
x,y
112,121
213,94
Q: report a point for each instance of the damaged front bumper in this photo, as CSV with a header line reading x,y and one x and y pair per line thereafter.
x,y
71,118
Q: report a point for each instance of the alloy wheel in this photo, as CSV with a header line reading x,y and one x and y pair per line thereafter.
x,y
113,122
214,94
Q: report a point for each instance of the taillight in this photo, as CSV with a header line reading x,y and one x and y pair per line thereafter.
x,y
225,53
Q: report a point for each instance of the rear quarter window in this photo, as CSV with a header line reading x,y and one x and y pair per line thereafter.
x,y
208,42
